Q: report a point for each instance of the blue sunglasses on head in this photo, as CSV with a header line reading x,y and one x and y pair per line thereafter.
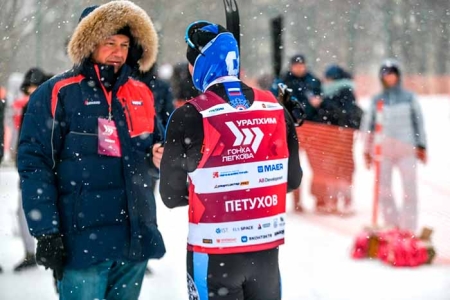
x,y
198,26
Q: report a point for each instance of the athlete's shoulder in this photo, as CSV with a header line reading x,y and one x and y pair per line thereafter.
x,y
264,95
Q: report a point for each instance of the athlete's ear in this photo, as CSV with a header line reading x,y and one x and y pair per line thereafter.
x,y
191,69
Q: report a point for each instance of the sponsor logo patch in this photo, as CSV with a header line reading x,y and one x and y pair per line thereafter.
x,y
270,168
216,109
226,241
279,232
260,237
242,228
218,186
221,230
217,174
137,102
91,102
273,179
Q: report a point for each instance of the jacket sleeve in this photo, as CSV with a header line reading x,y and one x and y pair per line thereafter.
x,y
158,137
39,140
159,131
182,153
417,121
168,104
367,127
295,172
316,86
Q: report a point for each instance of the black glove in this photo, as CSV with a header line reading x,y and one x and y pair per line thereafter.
x,y
296,110
50,254
292,105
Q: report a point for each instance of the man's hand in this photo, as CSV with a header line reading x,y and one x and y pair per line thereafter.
x,y
421,154
50,254
178,103
368,159
157,152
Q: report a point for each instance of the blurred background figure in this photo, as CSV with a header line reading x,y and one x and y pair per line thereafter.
x,y
2,123
265,82
306,88
2,128
404,142
334,173
183,88
162,93
33,78
13,92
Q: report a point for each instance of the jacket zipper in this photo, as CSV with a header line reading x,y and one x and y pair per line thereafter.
x,y
127,112
83,133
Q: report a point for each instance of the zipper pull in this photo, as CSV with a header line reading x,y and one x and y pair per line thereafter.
x,y
109,113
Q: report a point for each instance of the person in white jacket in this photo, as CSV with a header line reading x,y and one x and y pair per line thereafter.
x,y
403,143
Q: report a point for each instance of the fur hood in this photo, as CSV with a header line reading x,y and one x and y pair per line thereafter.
x,y
105,21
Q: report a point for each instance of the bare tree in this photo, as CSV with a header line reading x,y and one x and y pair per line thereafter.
x,y
19,21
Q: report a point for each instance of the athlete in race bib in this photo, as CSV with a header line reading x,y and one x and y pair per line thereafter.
x,y
238,150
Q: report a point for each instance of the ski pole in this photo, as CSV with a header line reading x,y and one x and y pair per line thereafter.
x,y
378,138
232,19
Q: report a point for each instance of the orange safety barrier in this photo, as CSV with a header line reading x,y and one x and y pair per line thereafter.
x,y
329,150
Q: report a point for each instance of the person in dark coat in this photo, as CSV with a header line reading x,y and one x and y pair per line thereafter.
x,y
162,93
33,78
88,141
183,88
307,89
334,165
339,105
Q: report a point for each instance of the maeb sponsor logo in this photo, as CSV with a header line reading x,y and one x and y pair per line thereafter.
x,y
270,168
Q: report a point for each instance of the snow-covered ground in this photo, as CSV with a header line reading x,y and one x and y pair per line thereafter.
x,y
315,262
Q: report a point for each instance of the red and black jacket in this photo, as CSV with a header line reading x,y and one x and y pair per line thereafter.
x,y
79,192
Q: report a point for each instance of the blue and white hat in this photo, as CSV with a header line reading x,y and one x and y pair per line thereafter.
x,y
212,51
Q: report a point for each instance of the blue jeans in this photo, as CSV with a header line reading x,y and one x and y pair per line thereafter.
x,y
108,280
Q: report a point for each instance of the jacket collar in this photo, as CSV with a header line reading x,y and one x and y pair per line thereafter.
x,y
110,80
291,76
394,89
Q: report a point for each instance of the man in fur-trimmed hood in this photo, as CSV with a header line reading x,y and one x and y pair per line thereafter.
x,y
88,145
98,23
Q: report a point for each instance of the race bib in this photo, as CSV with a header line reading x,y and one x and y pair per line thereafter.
x,y
108,140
